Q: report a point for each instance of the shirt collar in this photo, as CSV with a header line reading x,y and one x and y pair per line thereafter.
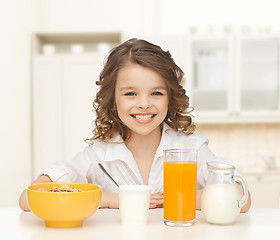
x,y
117,150
168,140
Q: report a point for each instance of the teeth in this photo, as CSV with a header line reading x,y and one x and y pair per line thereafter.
x,y
143,117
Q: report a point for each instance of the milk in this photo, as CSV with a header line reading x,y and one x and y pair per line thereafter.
x,y
220,203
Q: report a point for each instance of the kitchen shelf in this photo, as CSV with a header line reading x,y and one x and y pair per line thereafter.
x,y
62,41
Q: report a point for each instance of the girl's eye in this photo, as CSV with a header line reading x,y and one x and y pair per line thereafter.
x,y
157,93
130,94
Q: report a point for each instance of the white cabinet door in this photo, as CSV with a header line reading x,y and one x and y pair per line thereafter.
x,y
258,74
47,109
235,78
265,190
64,89
79,76
211,74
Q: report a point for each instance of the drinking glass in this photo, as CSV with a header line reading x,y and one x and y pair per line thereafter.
x,y
180,173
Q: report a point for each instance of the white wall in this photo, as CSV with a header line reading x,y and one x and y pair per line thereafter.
x,y
89,15
177,15
155,16
15,158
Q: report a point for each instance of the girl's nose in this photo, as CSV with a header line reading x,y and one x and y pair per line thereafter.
x,y
144,103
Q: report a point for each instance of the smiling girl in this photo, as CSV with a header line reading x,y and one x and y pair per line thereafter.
x,y
141,110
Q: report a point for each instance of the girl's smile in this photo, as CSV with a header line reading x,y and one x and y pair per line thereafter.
x,y
143,117
141,99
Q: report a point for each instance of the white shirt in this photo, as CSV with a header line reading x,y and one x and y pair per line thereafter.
x,y
119,162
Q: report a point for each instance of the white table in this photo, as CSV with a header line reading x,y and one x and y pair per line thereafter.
x,y
258,223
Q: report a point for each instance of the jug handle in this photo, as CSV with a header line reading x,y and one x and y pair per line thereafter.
x,y
244,198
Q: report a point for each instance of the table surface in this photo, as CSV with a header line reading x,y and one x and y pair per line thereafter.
x,y
258,223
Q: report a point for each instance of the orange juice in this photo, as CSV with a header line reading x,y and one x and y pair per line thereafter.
x,y
180,190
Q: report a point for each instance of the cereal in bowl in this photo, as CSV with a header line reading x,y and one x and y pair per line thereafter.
x,y
63,188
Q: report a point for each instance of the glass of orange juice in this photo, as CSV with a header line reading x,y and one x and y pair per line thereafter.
x,y
180,173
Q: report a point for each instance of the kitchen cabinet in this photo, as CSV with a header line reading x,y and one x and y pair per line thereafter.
x,y
234,78
258,73
264,189
46,112
63,89
79,90
210,72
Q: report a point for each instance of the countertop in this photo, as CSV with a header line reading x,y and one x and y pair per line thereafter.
x,y
258,223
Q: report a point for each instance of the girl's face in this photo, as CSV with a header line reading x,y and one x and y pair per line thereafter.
x,y
141,98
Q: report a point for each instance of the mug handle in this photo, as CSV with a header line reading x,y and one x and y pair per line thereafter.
x,y
244,199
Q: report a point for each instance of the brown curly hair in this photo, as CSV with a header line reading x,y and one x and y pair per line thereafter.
x,y
107,123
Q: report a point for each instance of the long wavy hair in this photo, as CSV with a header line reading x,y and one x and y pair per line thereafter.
x,y
135,51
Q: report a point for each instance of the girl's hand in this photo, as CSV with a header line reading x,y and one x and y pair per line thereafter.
x,y
109,200
23,203
156,200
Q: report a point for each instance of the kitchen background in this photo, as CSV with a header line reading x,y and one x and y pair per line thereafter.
x,y
52,52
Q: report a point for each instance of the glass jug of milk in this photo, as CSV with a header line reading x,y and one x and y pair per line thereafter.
x,y
221,202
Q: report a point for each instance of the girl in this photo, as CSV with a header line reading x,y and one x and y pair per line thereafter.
x,y
141,110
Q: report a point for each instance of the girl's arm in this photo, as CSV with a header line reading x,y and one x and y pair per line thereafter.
x,y
23,197
111,200
198,199
247,205
108,200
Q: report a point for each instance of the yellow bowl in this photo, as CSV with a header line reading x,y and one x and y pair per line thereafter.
x,y
64,209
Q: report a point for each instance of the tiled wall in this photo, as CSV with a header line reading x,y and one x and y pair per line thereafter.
x,y
244,145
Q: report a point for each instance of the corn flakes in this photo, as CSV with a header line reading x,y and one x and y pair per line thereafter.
x,y
63,188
